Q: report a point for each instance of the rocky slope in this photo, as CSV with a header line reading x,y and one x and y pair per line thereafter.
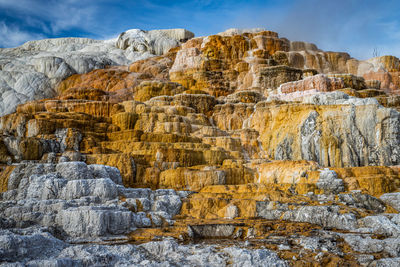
x,y
241,148
32,71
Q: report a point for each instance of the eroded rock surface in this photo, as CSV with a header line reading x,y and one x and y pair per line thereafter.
x,y
241,148
33,70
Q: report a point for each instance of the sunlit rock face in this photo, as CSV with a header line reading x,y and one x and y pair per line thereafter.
x,y
157,42
385,69
32,71
226,62
158,148
338,133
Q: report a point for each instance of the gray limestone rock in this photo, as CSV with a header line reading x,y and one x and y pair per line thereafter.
x,y
329,182
100,255
380,225
270,210
337,98
157,218
387,262
326,216
393,199
105,189
396,219
42,249
63,159
392,246
97,221
140,220
310,138
364,244
47,186
359,200
256,257
74,170
83,202
144,204
156,42
324,242
25,170
36,248
6,223
284,149
103,171
39,245
171,204
212,230
365,259
134,192
73,142
170,251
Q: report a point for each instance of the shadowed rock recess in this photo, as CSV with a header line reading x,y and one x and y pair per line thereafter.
x,y
161,149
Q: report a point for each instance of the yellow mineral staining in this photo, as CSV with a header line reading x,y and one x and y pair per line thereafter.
x,y
298,176
123,162
373,180
5,172
281,126
148,89
125,120
221,64
202,118
103,79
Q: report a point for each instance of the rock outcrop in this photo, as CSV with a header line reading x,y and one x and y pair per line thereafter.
x,y
83,201
33,70
331,129
240,148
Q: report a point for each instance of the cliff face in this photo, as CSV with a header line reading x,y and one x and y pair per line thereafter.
x,y
337,134
236,136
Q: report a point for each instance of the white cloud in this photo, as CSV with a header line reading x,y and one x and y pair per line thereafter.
x,y
71,14
60,15
341,25
12,36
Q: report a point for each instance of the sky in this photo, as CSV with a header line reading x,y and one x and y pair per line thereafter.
x,y
358,27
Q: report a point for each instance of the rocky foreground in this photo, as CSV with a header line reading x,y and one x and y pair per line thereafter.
x,y
161,149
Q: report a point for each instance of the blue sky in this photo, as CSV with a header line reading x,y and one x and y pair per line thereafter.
x,y
354,26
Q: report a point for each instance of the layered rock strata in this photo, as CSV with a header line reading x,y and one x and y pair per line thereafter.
x,y
240,148
33,70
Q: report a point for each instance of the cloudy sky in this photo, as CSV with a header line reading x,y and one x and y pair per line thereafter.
x,y
354,26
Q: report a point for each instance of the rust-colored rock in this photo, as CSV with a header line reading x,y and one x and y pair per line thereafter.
x,y
108,80
149,89
5,172
123,162
321,133
272,141
125,120
319,82
221,64
155,67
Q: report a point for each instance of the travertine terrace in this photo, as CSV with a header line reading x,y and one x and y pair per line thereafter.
x,y
160,148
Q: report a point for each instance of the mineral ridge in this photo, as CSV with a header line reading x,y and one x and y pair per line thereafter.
x,y
161,149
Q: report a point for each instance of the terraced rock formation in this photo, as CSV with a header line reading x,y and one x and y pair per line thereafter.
x,y
241,148
33,70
